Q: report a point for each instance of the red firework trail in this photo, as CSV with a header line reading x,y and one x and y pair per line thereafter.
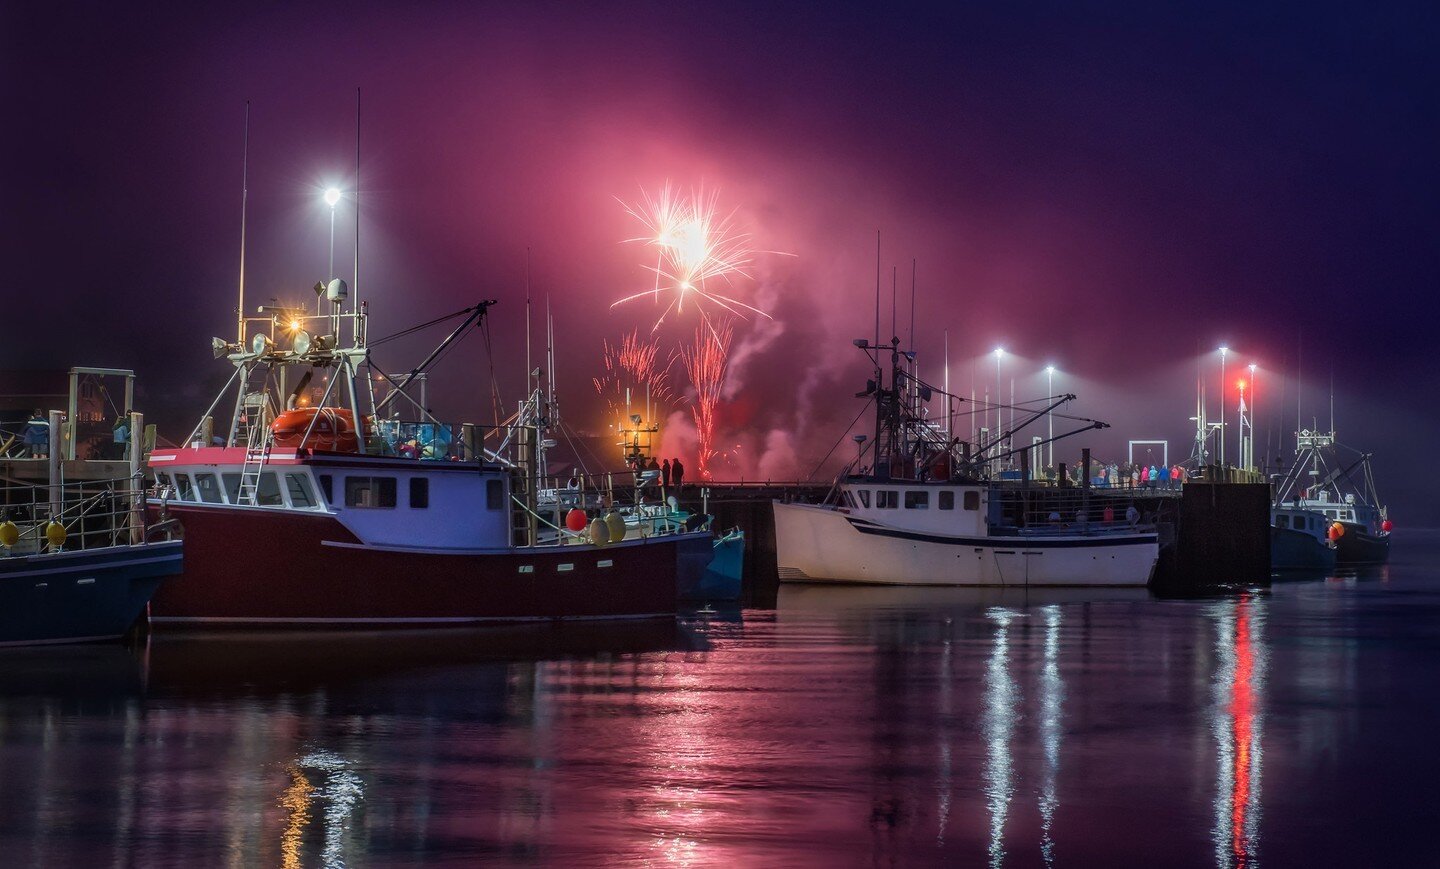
x,y
635,364
706,362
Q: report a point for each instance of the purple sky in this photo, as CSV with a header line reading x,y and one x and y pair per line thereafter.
x,y
1113,190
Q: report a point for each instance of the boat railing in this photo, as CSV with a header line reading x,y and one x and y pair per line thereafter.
x,y
1043,512
72,516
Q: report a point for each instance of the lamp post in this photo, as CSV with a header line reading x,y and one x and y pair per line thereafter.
x,y
332,196
1253,415
1223,351
1050,388
999,414
1244,448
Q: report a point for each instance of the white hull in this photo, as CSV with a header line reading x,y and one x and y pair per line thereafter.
x,y
823,544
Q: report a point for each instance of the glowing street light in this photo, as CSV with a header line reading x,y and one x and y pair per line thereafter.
x,y
1050,388
999,414
1224,350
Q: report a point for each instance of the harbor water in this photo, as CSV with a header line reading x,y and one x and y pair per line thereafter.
x,y
1287,726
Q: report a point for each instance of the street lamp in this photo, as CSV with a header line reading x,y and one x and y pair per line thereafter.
x,y
1253,416
1050,388
999,414
332,196
1223,351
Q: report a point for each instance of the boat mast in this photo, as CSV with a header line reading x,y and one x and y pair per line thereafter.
x,y
244,200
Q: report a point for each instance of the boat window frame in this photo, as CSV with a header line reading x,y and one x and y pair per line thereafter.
x,y
419,485
972,500
265,496
946,500
494,494
185,488
327,487
887,499
385,495
218,490
1283,521
306,490
917,499
864,497
230,483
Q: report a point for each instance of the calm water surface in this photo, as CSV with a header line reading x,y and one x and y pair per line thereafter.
x,y
1287,727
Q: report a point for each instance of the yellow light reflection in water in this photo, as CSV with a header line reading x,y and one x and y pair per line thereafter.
x,y
296,803
1052,694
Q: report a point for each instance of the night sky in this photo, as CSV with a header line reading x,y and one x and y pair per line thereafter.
x,y
1114,190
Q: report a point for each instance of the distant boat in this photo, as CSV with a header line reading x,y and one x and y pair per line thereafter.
x,y
1322,482
925,513
1299,540
60,585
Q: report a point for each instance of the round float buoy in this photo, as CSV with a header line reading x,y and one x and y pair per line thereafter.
x,y
575,519
599,532
9,534
1336,531
1387,526
616,523
55,533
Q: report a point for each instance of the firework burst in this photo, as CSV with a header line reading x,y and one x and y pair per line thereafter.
x,y
634,364
697,251
706,361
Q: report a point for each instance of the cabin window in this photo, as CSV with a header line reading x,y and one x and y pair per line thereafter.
x,y
376,492
268,493
917,500
946,501
419,493
1284,522
208,486
162,480
183,489
232,487
494,495
327,488
887,499
1333,514
864,497
972,500
847,500
298,486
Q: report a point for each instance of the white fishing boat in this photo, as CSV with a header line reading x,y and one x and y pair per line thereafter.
x,y
926,513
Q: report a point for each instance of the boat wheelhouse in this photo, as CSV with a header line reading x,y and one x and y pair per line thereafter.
x,y
1322,482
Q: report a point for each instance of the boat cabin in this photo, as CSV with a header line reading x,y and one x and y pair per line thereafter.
x,y
383,501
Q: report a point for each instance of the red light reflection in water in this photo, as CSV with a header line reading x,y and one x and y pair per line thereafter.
x,y
1239,691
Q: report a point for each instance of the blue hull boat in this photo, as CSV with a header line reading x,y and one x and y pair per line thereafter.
x,y
720,578
81,596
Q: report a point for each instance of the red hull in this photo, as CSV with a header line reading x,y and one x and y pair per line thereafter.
x,y
250,565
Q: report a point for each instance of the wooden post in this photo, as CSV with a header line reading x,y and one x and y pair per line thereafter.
x,y
137,481
57,420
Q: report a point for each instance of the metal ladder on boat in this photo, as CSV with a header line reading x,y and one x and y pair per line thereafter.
x,y
519,519
257,452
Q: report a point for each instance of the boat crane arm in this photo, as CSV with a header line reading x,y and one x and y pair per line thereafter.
x,y
476,312
1033,416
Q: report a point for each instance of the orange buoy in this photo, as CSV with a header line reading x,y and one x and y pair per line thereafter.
x,y
1387,526
1336,531
575,520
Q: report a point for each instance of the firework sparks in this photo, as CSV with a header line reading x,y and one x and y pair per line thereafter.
x,y
695,249
633,364
706,361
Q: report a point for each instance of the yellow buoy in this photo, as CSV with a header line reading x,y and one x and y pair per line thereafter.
x,y
616,523
55,533
599,532
9,534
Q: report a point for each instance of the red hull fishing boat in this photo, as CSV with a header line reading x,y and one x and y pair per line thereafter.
x,y
293,513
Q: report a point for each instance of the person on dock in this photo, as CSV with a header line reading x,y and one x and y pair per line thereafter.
x,y
120,434
677,472
665,473
37,436
1165,477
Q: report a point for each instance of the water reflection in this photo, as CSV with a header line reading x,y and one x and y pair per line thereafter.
x,y
1001,700
1236,723
947,728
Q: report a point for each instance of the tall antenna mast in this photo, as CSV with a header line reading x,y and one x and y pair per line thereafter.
x,y
949,404
244,199
528,367
355,288
877,287
1332,400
